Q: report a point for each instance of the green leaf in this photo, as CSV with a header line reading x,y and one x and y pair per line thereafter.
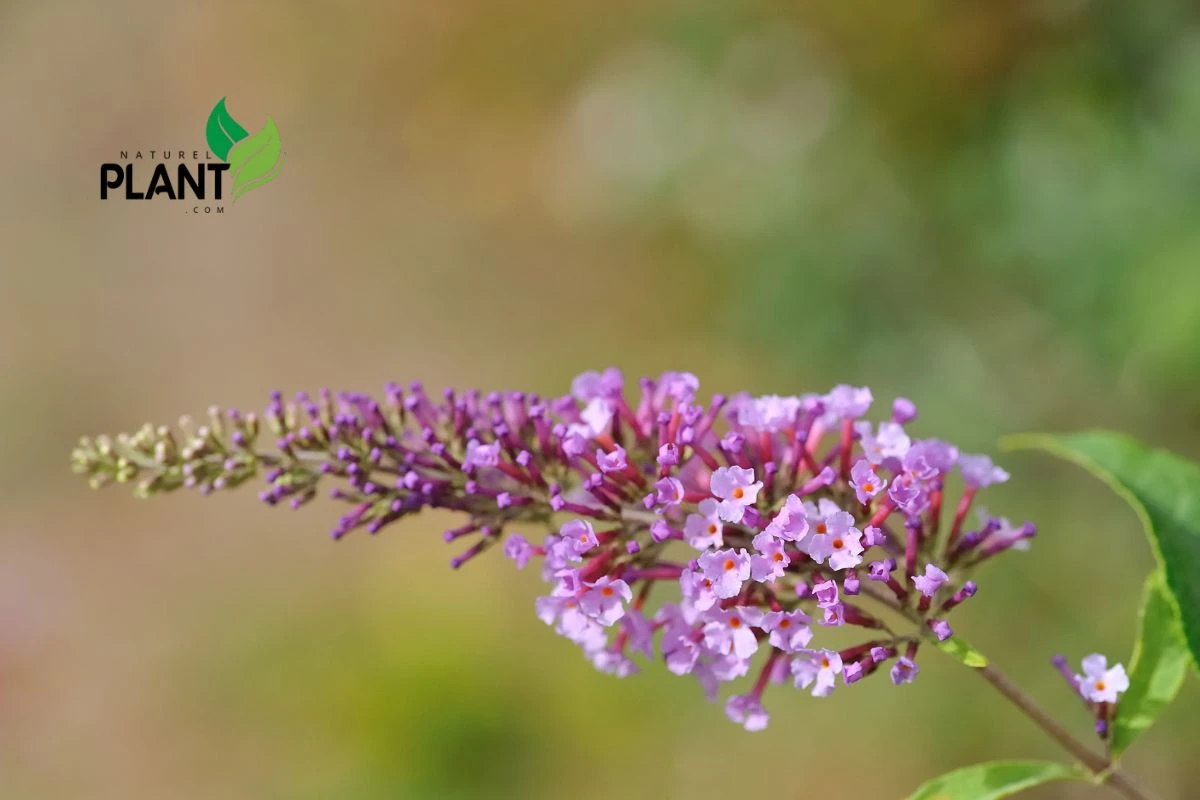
x,y
1164,491
223,131
255,161
959,649
994,779
1157,668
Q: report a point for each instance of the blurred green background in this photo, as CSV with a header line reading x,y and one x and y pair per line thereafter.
x,y
988,207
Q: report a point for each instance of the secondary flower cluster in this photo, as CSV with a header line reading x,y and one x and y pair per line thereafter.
x,y
1099,686
709,534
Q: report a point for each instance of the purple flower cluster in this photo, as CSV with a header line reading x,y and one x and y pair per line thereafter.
x,y
709,534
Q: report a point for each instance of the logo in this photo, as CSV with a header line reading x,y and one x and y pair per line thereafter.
x,y
235,163
253,160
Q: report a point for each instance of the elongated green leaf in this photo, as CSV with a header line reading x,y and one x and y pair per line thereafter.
x,y
254,161
959,649
222,131
1164,491
994,779
1157,668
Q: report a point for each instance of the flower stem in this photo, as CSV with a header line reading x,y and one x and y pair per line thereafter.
x,y
1100,766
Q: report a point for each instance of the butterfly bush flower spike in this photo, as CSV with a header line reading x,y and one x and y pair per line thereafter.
x,y
705,533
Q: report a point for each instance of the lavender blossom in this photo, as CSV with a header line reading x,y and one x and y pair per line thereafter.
x,y
785,498
1100,683
1100,687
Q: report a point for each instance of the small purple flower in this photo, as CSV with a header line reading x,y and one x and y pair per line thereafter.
x,y
681,653
728,668
568,583
747,711
789,630
703,530
596,416
851,583
640,632
611,662
588,386
847,402
890,442
845,550
736,488
578,536
697,590
1004,535
873,537
904,670
564,613
941,629
826,593
791,523
680,386
770,561
518,549
732,442
929,583
833,615
575,439
827,523
1099,683
668,492
769,413
660,531
727,569
558,553
602,600
817,668
732,632
979,471
481,455
908,494
928,458
680,641
903,410
866,483
668,455
612,462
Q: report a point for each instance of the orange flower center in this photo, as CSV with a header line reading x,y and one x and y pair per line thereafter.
x,y
838,544
739,493
778,557
824,663
712,528
729,565
821,527
1099,686
607,591
785,623
735,622
868,487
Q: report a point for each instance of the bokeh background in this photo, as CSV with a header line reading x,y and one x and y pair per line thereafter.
x,y
988,207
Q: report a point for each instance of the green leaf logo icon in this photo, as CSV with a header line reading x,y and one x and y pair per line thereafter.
x,y
254,161
223,131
